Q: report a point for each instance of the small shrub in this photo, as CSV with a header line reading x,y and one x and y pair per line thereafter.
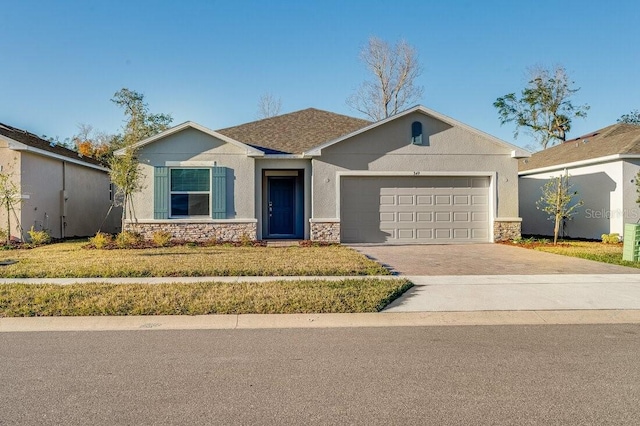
x,y
161,238
39,238
613,238
245,241
3,236
100,240
128,239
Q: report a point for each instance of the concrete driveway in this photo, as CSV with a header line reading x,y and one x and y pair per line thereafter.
x,y
495,277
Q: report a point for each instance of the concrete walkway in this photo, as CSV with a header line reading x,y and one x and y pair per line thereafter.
x,y
189,280
519,293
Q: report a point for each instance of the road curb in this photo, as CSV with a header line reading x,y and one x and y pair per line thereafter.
x,y
255,321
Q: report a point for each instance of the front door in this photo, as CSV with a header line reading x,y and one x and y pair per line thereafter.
x,y
281,204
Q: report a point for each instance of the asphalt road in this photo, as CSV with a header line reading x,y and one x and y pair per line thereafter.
x,y
576,374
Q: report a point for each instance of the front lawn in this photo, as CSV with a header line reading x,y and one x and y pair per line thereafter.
x,y
600,252
71,260
277,297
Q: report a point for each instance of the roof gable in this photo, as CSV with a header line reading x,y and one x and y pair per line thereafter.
x,y
23,139
296,132
516,151
617,139
250,150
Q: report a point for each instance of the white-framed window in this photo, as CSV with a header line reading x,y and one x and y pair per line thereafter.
x,y
190,192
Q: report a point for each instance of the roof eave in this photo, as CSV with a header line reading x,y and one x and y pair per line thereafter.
x,y
580,163
516,151
19,146
250,151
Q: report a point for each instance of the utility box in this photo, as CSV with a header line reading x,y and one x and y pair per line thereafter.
x,y
631,242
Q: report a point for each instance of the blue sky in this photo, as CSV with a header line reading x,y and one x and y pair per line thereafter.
x,y
209,61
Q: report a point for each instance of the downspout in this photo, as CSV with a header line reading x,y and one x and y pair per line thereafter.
x,y
63,199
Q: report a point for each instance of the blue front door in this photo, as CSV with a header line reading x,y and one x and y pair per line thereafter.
x,y
281,206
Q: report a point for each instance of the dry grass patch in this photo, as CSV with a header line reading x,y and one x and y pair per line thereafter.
x,y
277,297
600,252
69,259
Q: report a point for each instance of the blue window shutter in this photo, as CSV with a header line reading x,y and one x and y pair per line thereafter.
x,y
161,192
219,195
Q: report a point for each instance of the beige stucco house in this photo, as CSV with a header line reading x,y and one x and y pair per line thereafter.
x,y
62,193
602,166
415,177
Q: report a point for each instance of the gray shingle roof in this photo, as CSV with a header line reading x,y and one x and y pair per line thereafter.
x,y
296,132
34,141
619,138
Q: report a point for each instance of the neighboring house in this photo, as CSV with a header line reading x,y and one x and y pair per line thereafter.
x,y
62,193
602,167
416,177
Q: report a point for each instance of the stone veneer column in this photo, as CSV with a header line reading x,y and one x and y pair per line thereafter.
x,y
325,230
507,229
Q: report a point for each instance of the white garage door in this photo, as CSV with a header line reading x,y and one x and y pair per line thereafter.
x,y
414,209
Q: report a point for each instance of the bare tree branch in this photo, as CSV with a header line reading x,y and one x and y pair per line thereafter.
x,y
392,88
268,106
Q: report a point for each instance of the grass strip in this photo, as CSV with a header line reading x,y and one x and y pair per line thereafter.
x,y
70,260
607,253
276,297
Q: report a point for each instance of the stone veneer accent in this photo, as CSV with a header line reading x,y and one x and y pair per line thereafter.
x,y
325,231
505,230
196,231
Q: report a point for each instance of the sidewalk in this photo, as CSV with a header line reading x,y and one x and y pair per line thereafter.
x,y
433,301
190,280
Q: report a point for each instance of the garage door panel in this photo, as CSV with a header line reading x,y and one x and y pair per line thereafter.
x,y
406,217
425,217
461,217
443,200
443,216
406,233
424,200
479,200
406,200
414,209
387,200
461,233
387,217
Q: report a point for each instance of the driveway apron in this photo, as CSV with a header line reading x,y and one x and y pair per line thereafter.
x,y
495,277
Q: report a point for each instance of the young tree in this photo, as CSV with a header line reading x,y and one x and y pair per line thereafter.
x,y
268,106
557,201
544,107
393,87
10,197
140,124
631,118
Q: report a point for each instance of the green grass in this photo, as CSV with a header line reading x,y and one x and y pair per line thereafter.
x,y
607,253
277,297
69,259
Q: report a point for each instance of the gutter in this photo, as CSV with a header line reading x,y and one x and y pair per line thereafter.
x,y
581,163
19,146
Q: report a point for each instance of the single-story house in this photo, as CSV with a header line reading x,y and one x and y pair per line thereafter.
x,y
602,167
62,193
415,177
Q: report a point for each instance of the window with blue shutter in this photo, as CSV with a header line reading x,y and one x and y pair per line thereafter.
x,y
190,192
